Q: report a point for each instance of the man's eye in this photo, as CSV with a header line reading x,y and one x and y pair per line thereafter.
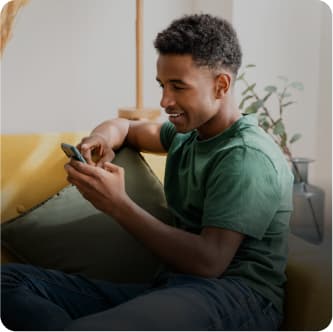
x,y
175,87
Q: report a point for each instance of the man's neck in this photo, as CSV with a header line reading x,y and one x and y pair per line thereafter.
x,y
224,119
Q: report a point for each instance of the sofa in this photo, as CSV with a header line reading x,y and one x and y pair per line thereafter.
x,y
46,222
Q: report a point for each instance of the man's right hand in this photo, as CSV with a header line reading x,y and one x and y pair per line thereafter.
x,y
96,150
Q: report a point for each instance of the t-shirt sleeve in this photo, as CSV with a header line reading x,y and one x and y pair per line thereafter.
x,y
242,193
167,134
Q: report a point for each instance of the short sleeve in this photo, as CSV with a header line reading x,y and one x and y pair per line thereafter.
x,y
242,193
168,132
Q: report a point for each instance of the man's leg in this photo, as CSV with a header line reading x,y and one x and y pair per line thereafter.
x,y
38,299
187,303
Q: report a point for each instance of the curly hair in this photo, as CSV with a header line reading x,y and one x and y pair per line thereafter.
x,y
211,41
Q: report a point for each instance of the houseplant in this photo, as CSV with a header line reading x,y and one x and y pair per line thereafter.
x,y
272,123
307,218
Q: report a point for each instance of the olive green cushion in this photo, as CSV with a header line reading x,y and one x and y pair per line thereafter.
x,y
66,232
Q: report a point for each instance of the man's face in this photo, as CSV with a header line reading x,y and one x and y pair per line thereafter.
x,y
188,92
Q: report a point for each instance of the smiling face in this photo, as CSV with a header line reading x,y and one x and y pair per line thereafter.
x,y
191,94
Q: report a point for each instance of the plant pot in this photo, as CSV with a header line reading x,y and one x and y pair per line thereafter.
x,y
307,220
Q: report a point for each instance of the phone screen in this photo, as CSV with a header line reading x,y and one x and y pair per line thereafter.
x,y
72,152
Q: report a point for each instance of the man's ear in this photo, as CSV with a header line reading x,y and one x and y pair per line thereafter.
x,y
223,84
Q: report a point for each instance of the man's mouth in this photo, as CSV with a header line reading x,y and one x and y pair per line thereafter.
x,y
175,115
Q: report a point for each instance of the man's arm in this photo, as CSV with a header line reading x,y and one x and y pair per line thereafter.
x,y
207,254
110,135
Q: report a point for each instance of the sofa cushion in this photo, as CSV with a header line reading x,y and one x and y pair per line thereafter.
x,y
66,232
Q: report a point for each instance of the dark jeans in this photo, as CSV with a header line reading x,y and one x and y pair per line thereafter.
x,y
33,298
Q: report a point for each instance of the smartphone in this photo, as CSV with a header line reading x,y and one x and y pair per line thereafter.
x,y
72,152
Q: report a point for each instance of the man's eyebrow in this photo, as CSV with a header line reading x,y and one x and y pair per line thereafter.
x,y
178,81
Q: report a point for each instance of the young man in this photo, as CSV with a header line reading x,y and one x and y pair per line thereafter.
x,y
227,185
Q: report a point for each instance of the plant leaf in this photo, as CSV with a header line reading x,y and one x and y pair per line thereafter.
x,y
283,139
287,104
297,85
271,88
241,105
262,116
240,77
253,108
265,125
250,66
295,138
284,95
250,88
278,128
283,78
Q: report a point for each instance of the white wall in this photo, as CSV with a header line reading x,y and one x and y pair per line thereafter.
x,y
71,63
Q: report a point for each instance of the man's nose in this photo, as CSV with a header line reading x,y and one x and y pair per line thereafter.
x,y
167,99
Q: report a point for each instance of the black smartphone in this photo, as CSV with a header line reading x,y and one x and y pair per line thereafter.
x,y
72,152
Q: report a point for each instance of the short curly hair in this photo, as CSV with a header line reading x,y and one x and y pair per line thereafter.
x,y
211,41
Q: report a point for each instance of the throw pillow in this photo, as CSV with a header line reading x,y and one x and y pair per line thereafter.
x,y
67,233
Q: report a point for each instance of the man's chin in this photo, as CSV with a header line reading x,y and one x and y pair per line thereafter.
x,y
181,128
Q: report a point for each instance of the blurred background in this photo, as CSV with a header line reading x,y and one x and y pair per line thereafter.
x,y
70,64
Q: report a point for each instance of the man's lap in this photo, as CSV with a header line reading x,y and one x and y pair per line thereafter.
x,y
172,302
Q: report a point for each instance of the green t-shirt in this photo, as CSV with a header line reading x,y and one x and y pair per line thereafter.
x,y
237,180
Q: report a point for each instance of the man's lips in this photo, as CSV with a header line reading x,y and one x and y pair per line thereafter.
x,y
175,115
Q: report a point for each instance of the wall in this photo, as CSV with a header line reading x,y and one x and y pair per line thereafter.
x,y
71,63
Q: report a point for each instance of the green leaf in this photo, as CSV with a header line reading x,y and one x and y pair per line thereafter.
x,y
284,95
295,138
297,85
265,125
287,104
241,105
283,139
250,66
253,108
262,116
271,88
278,128
240,77
283,78
250,88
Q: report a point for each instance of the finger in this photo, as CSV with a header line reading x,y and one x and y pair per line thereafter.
x,y
81,170
82,182
109,156
87,145
112,168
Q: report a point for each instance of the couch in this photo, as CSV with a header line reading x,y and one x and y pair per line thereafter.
x,y
32,172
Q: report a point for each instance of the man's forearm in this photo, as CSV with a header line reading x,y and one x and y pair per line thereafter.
x,y
113,131
185,252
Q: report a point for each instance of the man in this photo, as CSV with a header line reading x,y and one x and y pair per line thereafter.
x,y
227,185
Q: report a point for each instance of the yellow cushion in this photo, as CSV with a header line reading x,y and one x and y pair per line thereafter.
x,y
32,169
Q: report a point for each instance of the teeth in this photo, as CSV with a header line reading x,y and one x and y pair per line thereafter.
x,y
175,115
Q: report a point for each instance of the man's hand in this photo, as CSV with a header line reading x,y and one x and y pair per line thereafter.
x,y
103,187
96,150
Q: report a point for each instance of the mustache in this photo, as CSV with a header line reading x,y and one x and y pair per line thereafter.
x,y
173,110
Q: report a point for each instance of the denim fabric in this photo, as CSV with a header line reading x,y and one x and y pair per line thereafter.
x,y
33,298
